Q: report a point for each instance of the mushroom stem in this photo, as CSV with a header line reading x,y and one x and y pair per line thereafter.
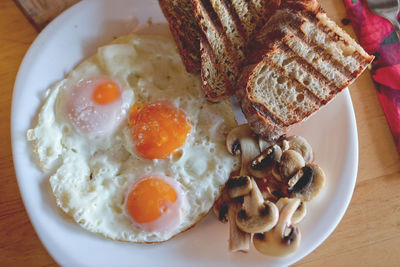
x,y
286,214
221,206
254,200
239,186
300,212
241,140
238,240
249,150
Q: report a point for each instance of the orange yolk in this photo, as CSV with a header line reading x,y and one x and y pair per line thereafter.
x,y
158,129
149,199
106,93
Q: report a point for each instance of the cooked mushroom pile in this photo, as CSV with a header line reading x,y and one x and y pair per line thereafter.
x,y
266,198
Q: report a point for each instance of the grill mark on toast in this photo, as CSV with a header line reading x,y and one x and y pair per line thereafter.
x,y
292,112
207,6
294,23
322,52
339,83
246,19
267,113
185,37
230,61
309,94
235,17
310,68
228,85
231,31
255,18
313,73
212,92
338,38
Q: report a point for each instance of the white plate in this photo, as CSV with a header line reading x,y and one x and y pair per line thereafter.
x,y
75,35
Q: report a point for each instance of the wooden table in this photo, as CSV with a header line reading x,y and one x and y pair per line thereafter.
x,y
368,235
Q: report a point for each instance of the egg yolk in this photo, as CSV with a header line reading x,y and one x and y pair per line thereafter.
x,y
158,129
106,93
150,199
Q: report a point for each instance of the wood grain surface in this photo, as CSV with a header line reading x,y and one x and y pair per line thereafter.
x,y
41,12
368,235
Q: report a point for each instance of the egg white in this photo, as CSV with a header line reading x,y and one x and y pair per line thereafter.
x,y
92,175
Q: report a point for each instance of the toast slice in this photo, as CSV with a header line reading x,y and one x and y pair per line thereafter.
x,y
232,26
227,26
212,76
185,31
302,59
221,50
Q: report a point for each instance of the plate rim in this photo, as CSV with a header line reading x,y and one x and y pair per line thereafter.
x,y
58,255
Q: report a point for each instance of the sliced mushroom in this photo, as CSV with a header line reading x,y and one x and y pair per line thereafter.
x,y
263,144
298,215
275,172
267,158
238,240
221,206
284,238
310,183
239,186
291,162
301,180
285,145
300,144
241,140
234,136
256,215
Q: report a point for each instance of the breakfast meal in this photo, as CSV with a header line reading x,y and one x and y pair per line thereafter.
x,y
136,153
141,141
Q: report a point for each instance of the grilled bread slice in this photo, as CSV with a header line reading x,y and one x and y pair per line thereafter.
x,y
185,31
228,26
222,49
232,26
212,75
301,60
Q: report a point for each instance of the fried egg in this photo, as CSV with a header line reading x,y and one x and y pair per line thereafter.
x,y
135,152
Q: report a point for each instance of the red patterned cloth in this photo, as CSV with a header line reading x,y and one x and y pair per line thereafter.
x,y
376,35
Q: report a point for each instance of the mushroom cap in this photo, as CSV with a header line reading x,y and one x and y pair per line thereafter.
x,y
271,244
261,165
256,215
267,157
291,162
308,191
301,145
234,136
263,221
239,186
284,238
